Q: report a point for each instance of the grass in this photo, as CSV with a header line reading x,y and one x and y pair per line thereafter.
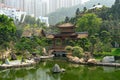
x,y
19,57
114,52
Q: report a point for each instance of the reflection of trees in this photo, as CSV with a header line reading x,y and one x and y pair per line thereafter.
x,y
73,72
15,73
5,75
54,76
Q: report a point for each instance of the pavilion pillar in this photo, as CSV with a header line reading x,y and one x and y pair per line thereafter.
x,y
54,43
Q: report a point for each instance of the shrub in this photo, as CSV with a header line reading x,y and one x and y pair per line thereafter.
x,y
68,48
77,51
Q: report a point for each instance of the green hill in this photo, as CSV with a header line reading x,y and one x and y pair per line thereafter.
x,y
60,14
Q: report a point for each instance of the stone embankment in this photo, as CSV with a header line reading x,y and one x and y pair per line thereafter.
x,y
17,64
91,62
23,63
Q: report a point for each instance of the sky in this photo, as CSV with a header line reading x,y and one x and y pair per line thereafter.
x,y
84,1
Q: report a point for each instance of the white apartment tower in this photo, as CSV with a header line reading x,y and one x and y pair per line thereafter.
x,y
40,7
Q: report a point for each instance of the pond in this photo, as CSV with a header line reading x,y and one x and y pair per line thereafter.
x,y
73,72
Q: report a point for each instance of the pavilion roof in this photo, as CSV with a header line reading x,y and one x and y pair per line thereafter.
x,y
65,25
76,35
31,32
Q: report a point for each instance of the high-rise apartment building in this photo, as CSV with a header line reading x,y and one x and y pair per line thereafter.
x,y
40,7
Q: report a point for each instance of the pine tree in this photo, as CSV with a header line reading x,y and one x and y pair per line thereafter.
x,y
77,11
67,19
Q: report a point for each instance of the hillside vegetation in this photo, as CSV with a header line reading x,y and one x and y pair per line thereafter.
x,y
60,14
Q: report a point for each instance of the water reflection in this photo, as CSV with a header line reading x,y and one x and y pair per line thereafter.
x,y
73,72
110,69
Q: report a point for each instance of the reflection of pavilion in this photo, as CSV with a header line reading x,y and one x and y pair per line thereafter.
x,y
67,32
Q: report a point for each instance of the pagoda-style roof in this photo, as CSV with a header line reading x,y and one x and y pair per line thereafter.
x,y
65,25
67,30
72,35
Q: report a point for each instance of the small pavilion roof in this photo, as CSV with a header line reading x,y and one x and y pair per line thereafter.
x,y
31,32
65,25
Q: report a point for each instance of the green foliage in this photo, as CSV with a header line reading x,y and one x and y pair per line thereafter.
x,y
7,29
89,22
30,19
84,9
77,12
116,51
68,48
77,51
107,47
60,14
93,41
66,19
115,10
105,36
98,47
117,1
34,44
84,43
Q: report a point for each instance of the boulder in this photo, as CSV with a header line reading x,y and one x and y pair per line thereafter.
x,y
62,70
56,69
70,58
81,60
108,59
93,61
76,59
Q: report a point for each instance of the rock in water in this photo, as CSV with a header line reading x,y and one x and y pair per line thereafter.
x,y
56,68
108,59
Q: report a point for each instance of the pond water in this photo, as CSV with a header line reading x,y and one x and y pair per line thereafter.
x,y
73,72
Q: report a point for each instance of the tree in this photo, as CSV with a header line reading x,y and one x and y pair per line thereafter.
x,y
94,5
31,44
66,19
84,9
7,29
117,1
93,41
105,36
30,20
38,22
98,3
89,22
84,43
77,12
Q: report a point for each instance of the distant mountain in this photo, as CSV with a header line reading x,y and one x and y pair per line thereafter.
x,y
60,14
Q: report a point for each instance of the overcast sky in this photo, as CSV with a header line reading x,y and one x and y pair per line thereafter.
x,y
84,1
